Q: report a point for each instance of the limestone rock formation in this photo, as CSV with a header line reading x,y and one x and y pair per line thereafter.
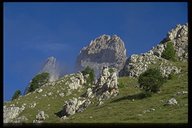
x,y
51,67
40,117
21,119
105,88
103,51
139,63
179,37
75,105
10,113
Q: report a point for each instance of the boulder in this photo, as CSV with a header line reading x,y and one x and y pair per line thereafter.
x,y
40,117
171,101
70,107
39,90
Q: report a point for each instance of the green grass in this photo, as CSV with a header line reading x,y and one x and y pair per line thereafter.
x,y
121,109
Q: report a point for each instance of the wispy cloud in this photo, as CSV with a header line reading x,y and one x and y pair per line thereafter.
x,y
50,46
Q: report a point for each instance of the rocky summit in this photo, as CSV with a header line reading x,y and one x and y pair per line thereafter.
x,y
51,67
103,51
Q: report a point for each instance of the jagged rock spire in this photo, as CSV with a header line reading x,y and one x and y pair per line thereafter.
x,y
51,67
103,51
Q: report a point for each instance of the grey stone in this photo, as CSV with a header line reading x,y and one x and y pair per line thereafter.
x,y
40,117
9,113
103,51
139,63
61,94
171,101
39,90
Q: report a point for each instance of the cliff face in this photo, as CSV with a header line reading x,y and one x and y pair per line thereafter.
x,y
103,51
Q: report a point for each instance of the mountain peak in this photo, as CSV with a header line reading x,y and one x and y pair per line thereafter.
x,y
104,50
51,67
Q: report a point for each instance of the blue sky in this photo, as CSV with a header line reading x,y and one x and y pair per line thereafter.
x,y
35,31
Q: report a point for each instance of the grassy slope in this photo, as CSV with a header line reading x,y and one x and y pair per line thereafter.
x,y
56,102
123,109
120,108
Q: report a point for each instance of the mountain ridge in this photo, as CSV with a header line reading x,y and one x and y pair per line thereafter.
x,y
70,95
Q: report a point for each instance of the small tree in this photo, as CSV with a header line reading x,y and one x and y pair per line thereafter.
x,y
169,52
38,81
16,94
91,76
151,80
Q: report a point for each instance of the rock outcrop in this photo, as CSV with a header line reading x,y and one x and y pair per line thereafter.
x,y
10,113
75,105
51,67
179,37
40,117
139,63
105,88
103,51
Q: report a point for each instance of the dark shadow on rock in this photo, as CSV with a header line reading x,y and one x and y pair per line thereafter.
x,y
130,97
59,114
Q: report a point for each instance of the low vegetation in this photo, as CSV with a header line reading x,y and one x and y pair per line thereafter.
x,y
151,80
16,94
90,75
38,81
128,107
169,53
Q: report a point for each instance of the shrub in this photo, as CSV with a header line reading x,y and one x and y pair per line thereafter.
x,y
91,76
16,94
169,52
151,80
38,81
111,70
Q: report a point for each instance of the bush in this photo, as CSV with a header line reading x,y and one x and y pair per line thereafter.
x,y
38,81
91,76
16,94
111,70
151,80
169,52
